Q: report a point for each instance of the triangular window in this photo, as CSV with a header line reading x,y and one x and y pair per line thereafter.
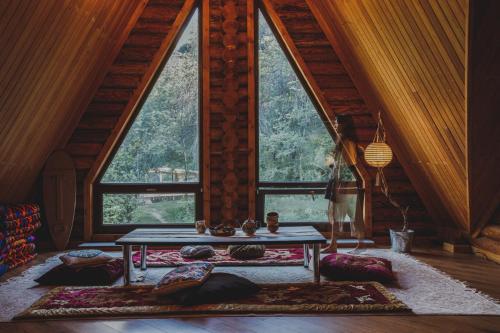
x,y
293,140
162,145
294,143
153,176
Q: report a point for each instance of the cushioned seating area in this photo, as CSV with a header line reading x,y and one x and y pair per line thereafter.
x,y
83,258
219,287
104,274
338,266
183,277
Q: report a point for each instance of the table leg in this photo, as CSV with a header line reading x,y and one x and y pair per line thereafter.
x,y
144,250
306,255
127,251
316,248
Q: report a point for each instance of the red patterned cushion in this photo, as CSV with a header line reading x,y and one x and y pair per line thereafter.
x,y
338,266
183,277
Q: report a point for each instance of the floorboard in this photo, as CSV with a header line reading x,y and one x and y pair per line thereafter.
x,y
476,272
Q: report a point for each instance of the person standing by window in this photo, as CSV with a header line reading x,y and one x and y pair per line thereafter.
x,y
344,157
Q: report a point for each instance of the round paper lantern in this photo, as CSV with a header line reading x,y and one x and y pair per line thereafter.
x,y
378,154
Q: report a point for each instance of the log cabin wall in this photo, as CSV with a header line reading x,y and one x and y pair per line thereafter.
x,y
229,168
53,54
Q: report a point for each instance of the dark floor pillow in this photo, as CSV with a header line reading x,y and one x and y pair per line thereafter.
x,y
219,287
245,252
338,266
103,274
197,252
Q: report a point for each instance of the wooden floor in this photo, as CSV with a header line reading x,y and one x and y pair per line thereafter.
x,y
479,273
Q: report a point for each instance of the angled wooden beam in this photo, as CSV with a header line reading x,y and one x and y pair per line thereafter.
x,y
205,38
252,143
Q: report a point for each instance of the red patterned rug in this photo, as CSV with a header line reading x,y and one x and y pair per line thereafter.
x,y
329,297
272,257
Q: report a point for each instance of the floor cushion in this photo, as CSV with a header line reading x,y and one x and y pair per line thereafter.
x,y
182,277
219,287
82,258
197,252
338,266
103,274
244,252
492,231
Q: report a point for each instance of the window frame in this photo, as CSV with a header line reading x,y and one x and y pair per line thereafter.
x,y
196,188
264,188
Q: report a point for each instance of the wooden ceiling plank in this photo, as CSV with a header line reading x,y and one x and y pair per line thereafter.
x,y
457,97
435,93
444,47
454,31
54,70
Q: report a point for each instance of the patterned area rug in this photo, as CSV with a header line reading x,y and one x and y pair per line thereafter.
x,y
272,257
329,297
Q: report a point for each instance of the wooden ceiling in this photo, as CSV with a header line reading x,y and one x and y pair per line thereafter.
x,y
413,55
54,53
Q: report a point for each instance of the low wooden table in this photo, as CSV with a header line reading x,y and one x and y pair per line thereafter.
x,y
184,236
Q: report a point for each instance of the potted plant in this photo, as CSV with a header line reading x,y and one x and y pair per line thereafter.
x,y
401,240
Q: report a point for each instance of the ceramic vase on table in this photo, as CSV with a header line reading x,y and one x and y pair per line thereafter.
x,y
201,226
249,227
272,221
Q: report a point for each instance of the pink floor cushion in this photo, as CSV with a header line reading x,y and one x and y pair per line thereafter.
x,y
183,277
338,266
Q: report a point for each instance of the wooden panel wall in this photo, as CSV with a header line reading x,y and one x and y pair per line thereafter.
x,y
52,55
337,94
112,106
229,145
483,116
412,53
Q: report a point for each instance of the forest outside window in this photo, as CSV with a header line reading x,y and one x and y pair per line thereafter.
x,y
294,143
153,177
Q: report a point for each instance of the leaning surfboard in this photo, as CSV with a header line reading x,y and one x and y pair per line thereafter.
x,y
59,197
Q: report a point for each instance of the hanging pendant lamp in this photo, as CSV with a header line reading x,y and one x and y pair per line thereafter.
x,y
378,154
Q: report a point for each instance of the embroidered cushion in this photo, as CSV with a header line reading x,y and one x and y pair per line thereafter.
x,y
338,266
219,287
197,252
104,274
182,277
243,252
83,258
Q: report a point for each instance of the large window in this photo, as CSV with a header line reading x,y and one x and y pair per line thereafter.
x,y
154,176
294,143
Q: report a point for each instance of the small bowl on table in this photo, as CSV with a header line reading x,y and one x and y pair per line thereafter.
x,y
222,231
